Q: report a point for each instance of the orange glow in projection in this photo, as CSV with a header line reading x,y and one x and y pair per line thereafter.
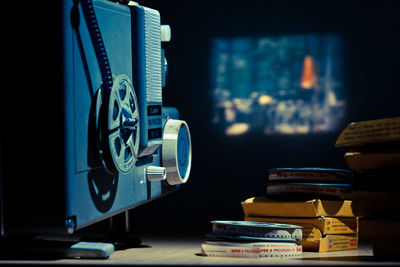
x,y
308,76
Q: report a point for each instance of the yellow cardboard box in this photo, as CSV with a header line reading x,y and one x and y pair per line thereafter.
x,y
318,235
326,225
338,242
264,207
315,241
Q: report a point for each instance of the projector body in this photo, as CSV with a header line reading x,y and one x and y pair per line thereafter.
x,y
93,145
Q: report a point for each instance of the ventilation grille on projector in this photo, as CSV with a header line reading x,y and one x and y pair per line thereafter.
x,y
153,55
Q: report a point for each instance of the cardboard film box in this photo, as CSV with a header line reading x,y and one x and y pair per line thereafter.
x,y
326,225
264,207
322,234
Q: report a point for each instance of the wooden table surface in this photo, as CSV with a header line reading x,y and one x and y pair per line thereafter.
x,y
185,250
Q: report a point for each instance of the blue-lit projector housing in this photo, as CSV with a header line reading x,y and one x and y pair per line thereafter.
x,y
92,161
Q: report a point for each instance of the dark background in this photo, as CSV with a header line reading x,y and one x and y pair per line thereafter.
x,y
227,170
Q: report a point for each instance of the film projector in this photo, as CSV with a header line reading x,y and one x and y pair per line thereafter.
x,y
96,139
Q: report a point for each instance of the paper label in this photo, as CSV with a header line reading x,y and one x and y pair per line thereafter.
x,y
251,250
384,130
338,242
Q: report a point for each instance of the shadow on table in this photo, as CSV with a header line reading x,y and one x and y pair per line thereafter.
x,y
358,259
53,250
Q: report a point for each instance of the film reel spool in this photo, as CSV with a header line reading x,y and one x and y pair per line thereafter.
x,y
118,126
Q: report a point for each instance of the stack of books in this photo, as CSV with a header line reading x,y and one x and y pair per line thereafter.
x,y
252,240
328,225
373,154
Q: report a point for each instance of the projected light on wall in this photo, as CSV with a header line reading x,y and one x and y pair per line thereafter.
x,y
278,85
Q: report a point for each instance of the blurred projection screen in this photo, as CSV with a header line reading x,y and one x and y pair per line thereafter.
x,y
289,84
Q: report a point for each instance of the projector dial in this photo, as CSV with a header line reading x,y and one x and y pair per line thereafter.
x,y
177,151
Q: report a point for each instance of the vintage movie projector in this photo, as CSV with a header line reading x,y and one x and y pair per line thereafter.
x,y
87,137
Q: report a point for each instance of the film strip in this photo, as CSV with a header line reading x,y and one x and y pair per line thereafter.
x,y
310,175
256,231
251,250
307,190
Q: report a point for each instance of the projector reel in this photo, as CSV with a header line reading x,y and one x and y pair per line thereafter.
x,y
118,125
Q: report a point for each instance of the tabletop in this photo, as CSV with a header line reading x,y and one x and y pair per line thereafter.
x,y
184,249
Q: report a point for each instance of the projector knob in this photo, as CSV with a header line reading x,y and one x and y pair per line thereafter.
x,y
154,173
165,33
176,151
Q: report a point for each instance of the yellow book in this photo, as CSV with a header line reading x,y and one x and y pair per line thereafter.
x,y
378,160
370,132
264,207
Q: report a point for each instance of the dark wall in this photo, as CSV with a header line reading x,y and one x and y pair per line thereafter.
x,y
227,170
